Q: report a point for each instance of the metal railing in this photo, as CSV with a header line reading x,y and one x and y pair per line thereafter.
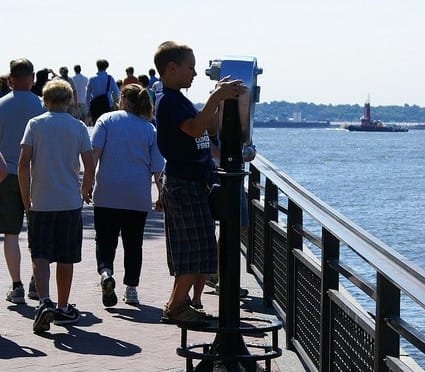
x,y
297,247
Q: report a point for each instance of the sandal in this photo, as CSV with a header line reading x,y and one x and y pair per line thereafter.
x,y
185,314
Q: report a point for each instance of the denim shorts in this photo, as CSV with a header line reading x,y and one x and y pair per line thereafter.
x,y
56,236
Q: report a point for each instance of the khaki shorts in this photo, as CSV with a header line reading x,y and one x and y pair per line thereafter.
x,y
11,207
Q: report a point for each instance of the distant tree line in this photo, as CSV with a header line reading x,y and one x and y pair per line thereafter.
x,y
283,110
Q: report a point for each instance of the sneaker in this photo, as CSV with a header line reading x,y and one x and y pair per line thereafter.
x,y
71,316
184,315
32,290
16,296
243,292
212,280
109,298
44,315
130,296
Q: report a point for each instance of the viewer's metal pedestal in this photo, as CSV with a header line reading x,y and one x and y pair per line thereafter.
x,y
228,351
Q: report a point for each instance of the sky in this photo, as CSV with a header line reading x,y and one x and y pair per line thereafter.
x,y
322,52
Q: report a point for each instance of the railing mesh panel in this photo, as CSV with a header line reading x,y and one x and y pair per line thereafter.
x,y
279,249
307,311
244,238
352,348
258,250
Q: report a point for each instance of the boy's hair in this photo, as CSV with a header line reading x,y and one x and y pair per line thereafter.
x,y
77,69
129,70
57,92
170,51
138,100
102,64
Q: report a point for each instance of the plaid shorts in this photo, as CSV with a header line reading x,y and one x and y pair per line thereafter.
x,y
11,207
56,236
189,227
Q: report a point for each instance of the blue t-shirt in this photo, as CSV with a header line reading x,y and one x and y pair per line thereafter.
x,y
187,157
129,157
16,108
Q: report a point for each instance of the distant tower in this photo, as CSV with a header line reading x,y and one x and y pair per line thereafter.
x,y
367,109
366,117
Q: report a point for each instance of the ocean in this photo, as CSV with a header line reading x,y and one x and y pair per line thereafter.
x,y
377,180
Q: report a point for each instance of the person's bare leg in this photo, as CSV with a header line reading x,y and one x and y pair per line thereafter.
x,y
64,273
41,270
181,287
198,287
12,256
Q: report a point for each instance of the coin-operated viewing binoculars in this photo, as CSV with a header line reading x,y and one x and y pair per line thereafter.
x,y
245,69
236,122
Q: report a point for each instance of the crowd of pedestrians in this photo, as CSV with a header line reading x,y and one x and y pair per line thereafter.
x,y
144,129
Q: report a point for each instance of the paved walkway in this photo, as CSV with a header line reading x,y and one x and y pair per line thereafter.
x,y
124,337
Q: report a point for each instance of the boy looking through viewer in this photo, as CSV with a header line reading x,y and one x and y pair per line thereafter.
x,y
48,172
183,141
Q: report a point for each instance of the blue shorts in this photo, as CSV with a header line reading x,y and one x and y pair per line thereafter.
x,y
56,236
189,227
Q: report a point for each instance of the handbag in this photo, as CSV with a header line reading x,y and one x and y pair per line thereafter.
x,y
100,104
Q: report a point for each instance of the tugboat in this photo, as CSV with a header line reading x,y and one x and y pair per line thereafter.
x,y
367,125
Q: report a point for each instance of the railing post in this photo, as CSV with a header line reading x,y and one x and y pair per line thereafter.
x,y
295,241
253,193
387,342
330,280
270,214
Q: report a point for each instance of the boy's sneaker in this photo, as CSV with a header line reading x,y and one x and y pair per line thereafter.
x,y
130,296
109,298
44,315
70,316
32,290
184,315
16,296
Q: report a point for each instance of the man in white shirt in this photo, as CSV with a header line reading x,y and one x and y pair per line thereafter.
x,y
80,82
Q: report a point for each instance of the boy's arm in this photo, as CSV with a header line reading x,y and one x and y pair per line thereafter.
x,y
96,152
89,168
24,174
207,118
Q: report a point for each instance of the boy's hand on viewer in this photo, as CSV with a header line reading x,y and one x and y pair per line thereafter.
x,y
230,89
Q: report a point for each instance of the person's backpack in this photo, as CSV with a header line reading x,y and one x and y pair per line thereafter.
x,y
100,104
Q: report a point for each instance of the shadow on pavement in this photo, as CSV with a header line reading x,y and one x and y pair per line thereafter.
x,y
140,314
11,350
25,310
83,342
